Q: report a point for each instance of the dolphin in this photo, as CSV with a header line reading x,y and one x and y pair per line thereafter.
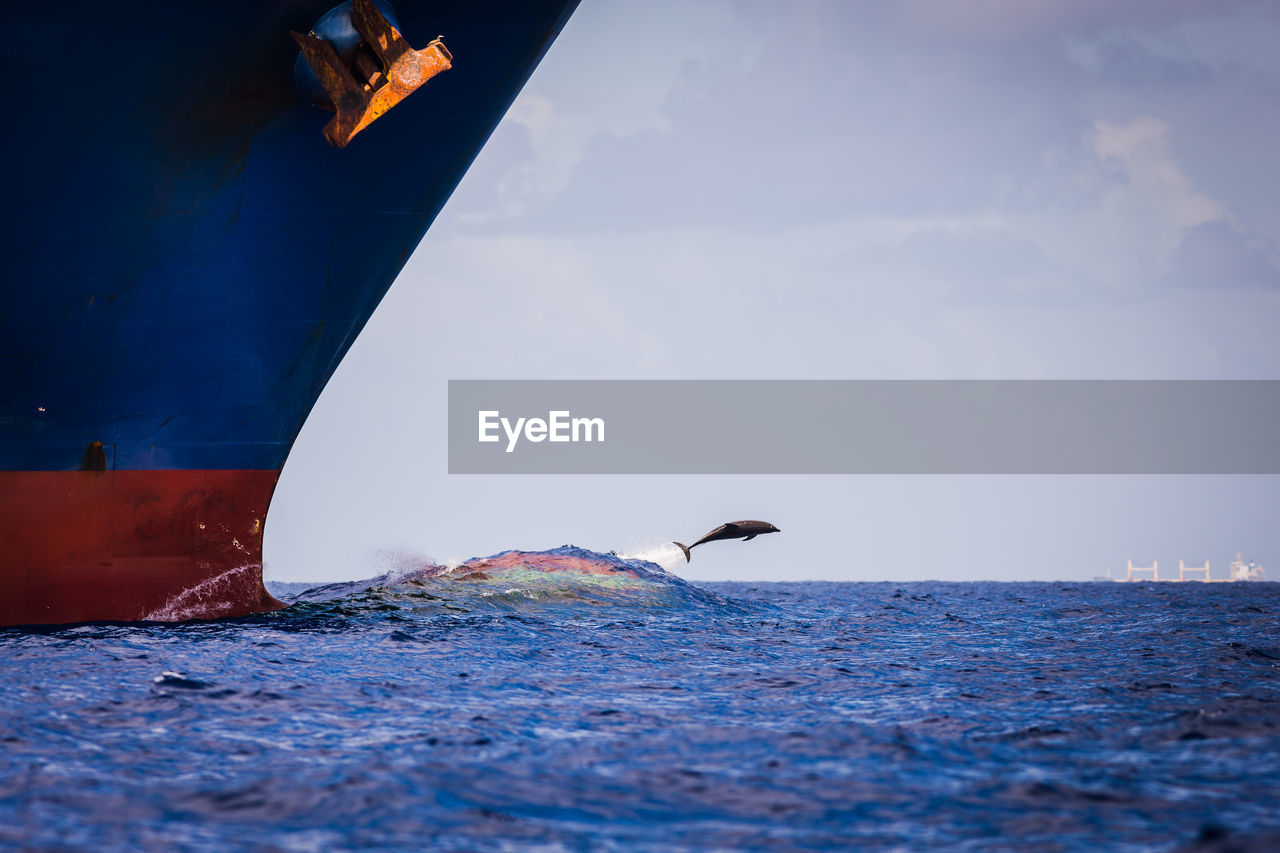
x,y
744,530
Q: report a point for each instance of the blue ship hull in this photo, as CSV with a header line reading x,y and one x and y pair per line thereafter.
x,y
186,263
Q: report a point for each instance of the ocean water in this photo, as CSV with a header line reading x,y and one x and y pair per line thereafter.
x,y
575,701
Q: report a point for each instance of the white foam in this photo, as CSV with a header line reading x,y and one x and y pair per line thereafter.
x,y
665,554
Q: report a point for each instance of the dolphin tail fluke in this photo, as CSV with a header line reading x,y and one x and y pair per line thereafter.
x,y
688,558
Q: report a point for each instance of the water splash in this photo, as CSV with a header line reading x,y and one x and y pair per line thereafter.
x,y
217,597
664,554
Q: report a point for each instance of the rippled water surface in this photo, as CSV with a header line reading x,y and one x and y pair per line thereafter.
x,y
578,701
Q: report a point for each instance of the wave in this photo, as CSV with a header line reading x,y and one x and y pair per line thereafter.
x,y
518,581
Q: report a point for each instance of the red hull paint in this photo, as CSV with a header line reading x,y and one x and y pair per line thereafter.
x,y
79,546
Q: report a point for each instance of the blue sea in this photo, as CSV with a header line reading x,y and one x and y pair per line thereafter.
x,y
576,701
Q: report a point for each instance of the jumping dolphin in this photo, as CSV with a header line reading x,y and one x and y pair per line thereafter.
x,y
744,530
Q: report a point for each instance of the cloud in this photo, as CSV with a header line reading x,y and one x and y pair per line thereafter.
x,y
1008,20
1133,207
1217,255
1126,61
1155,185
556,140
856,202
612,71
525,307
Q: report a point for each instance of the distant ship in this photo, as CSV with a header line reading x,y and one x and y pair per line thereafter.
x,y
187,258
1239,570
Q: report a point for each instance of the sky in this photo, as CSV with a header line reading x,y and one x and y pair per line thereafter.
x,y
929,189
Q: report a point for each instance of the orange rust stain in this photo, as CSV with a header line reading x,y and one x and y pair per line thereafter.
x,y
358,103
